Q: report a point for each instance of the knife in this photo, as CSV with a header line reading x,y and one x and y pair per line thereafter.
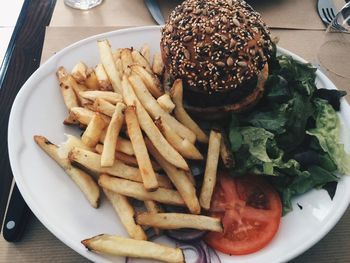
x,y
25,46
154,9
17,216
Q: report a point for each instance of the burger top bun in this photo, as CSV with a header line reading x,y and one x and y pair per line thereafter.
x,y
217,46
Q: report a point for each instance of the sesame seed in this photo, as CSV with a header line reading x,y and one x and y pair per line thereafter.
x,y
210,30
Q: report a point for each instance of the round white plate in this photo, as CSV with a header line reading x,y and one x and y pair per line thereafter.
x,y
60,206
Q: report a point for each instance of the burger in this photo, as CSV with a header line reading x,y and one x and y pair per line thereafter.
x,y
221,50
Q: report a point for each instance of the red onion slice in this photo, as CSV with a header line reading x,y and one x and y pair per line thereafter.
x,y
194,252
185,235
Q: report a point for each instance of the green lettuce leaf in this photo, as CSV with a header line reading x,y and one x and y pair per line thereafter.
x,y
256,140
327,132
300,109
315,177
299,75
277,89
258,153
273,121
290,124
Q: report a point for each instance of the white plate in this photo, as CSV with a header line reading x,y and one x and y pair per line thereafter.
x,y
59,205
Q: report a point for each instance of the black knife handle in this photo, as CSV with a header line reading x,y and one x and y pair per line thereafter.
x,y
16,218
21,59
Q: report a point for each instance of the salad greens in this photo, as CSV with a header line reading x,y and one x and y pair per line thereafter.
x,y
327,132
293,135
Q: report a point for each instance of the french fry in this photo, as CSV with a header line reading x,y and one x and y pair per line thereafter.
x,y
166,81
140,60
178,220
70,120
117,54
93,131
89,106
148,176
109,64
102,77
166,103
81,115
92,162
69,97
119,66
146,53
136,190
71,142
176,93
85,183
129,95
67,80
84,116
151,130
123,145
153,208
104,107
211,166
149,79
109,96
127,247
183,146
126,58
108,153
127,159
153,108
91,81
179,178
126,214
225,153
132,161
79,72
64,77
103,136
158,65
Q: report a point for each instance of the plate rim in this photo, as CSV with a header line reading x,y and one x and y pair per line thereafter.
x,y
39,73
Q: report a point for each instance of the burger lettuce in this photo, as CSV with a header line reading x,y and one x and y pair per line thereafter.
x,y
293,135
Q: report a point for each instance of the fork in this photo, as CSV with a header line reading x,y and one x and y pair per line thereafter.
x,y
326,10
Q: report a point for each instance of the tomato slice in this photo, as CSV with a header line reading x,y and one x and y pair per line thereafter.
x,y
250,211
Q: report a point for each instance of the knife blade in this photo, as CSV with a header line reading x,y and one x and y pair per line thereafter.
x,y
17,216
154,9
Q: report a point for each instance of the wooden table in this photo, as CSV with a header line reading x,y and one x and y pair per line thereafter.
x,y
302,35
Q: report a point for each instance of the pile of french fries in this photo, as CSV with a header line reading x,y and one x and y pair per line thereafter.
x,y
136,144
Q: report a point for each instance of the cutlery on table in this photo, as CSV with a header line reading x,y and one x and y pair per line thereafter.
x,y
326,10
16,217
154,9
24,48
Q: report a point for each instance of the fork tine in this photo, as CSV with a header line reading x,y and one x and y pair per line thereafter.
x,y
333,14
326,10
329,14
326,16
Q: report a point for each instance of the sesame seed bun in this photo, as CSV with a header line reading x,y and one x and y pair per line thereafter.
x,y
219,49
